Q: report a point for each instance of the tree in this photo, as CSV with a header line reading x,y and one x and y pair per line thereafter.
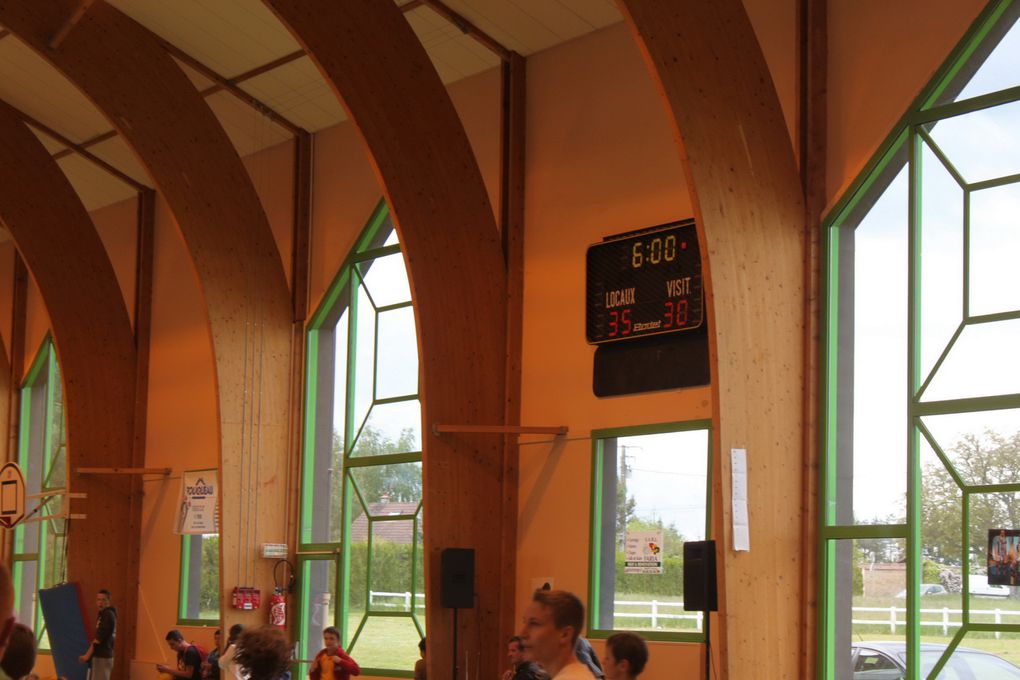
x,y
990,458
625,505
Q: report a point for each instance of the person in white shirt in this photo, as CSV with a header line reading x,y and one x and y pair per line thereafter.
x,y
229,667
552,622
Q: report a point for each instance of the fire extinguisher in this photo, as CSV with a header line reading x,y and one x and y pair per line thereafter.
x,y
278,602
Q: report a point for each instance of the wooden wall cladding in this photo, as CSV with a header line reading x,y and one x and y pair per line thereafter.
x,y
739,162
425,165
95,346
122,68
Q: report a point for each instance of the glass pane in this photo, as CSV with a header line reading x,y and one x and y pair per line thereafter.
x,y
319,586
995,546
391,428
941,240
995,250
25,578
868,603
357,575
419,571
982,144
981,363
392,543
387,643
340,341
386,280
392,238
651,483
397,357
389,489
941,549
999,69
876,479
981,446
364,356
983,654
200,578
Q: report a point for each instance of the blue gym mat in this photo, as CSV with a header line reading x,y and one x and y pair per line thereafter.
x,y
69,629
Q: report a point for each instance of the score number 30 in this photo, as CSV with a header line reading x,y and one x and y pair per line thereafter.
x,y
674,316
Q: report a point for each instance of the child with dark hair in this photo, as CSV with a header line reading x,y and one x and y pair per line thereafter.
x,y
419,665
263,653
625,656
19,657
333,663
231,670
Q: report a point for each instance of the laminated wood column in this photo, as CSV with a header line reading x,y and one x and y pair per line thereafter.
x,y
122,68
95,345
739,163
429,175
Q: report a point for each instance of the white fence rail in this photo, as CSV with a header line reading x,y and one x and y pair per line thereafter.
x,y
658,610
945,620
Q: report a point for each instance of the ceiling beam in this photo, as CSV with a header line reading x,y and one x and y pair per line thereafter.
x,y
230,87
379,70
257,71
81,151
465,26
72,21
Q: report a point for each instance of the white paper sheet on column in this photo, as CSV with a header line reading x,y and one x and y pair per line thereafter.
x,y
741,530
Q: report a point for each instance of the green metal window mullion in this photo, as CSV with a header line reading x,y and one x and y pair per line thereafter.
x,y
913,370
994,183
965,531
182,590
594,557
48,418
308,459
343,572
352,364
966,254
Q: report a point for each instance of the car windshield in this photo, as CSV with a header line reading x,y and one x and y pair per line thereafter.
x,y
965,665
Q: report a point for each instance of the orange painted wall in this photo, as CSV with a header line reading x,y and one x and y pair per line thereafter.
x,y
600,161
866,96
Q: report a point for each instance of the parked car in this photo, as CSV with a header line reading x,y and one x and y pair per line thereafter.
x,y
926,589
888,661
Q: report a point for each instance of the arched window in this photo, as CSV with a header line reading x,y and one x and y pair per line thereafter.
x,y
361,567
39,556
921,463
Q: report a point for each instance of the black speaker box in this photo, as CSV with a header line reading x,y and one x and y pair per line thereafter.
x,y
700,592
457,578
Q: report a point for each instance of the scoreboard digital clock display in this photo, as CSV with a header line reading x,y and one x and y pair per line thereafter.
x,y
644,284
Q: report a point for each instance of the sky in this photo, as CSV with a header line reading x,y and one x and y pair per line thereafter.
x,y
981,145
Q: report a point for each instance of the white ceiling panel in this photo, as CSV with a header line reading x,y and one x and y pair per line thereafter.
x,y
454,54
95,187
29,83
249,130
298,92
117,153
229,36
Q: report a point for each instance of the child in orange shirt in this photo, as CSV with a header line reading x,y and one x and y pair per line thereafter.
x,y
333,663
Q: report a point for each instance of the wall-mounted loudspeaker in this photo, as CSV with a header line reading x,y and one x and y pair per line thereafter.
x,y
457,578
700,593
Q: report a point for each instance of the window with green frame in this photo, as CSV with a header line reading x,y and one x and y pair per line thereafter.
x,y
360,567
39,559
199,600
653,478
922,387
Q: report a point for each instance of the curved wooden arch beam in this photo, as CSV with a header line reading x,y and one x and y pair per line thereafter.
x,y
122,68
740,168
95,345
421,155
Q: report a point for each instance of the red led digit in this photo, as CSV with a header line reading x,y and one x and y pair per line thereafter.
x,y
614,325
681,313
668,316
625,319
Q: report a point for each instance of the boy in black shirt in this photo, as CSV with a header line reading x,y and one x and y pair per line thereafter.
x,y
189,658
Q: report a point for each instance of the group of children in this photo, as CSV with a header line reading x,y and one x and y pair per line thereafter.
x,y
624,657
